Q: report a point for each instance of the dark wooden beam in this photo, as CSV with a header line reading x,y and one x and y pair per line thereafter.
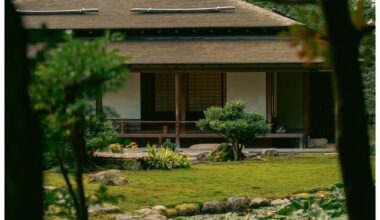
x,y
177,108
183,89
269,96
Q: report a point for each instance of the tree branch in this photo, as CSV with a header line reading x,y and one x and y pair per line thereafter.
x,y
67,180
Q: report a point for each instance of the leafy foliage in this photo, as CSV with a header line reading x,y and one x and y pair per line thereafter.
x,y
99,134
73,75
234,124
169,145
165,159
58,202
316,208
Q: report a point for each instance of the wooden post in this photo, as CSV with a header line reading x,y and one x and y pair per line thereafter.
x,y
122,126
305,106
177,116
183,100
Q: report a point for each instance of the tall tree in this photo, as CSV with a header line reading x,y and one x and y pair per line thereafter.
x,y
351,122
344,27
23,177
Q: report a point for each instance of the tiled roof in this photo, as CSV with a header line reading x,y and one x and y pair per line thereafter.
x,y
115,14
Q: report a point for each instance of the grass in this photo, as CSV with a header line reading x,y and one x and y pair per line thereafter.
x,y
273,177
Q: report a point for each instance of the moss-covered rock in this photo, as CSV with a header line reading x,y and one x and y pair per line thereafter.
x,y
237,203
259,202
171,212
109,178
224,153
187,209
213,207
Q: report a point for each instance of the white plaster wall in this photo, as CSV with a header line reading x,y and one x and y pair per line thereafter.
x,y
248,86
126,101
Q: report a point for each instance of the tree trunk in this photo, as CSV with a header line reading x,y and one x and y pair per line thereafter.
x,y
78,144
23,145
236,153
351,122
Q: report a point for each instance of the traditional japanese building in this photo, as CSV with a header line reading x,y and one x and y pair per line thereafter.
x,y
187,55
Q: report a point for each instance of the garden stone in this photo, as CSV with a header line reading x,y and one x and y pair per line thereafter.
x,y
98,209
153,217
187,209
259,202
279,202
160,208
126,217
269,153
49,188
204,146
237,203
146,211
203,156
171,212
318,142
109,178
302,196
213,207
322,194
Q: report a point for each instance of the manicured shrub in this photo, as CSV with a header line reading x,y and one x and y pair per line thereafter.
x,y
169,145
234,124
165,159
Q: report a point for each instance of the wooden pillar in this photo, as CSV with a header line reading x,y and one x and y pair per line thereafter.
x,y
177,108
183,90
269,97
306,104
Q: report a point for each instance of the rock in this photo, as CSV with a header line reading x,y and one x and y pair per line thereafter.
x,y
237,203
153,217
49,188
203,156
187,209
213,207
259,202
211,147
249,155
146,211
318,142
322,194
160,208
269,153
126,217
150,214
109,178
171,212
99,209
279,202
302,196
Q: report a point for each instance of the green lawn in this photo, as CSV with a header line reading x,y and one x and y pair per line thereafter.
x,y
271,178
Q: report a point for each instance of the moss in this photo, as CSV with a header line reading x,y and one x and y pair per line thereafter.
x,y
188,209
171,212
273,178
224,153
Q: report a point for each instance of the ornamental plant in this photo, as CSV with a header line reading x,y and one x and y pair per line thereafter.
x,y
234,124
164,158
